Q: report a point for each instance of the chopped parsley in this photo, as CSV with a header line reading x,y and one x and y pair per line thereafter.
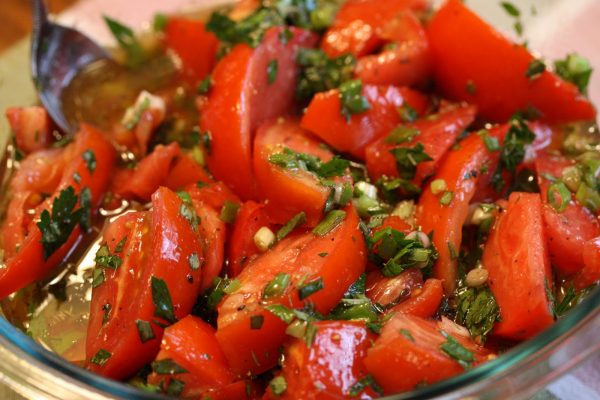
x,y
256,321
282,312
163,305
101,357
535,69
293,160
278,385
205,85
559,196
319,73
355,305
85,201
363,384
393,252
575,69
310,288
406,333
167,367
272,68
98,277
105,259
513,150
515,13
457,351
408,158
477,310
352,100
127,41
144,330
175,387
58,226
90,160
330,222
407,113
402,134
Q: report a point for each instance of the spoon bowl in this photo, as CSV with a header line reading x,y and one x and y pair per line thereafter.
x,y
58,54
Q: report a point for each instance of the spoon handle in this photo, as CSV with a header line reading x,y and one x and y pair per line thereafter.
x,y
40,15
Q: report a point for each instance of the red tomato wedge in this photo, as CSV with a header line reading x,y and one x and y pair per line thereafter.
x,y
331,366
437,134
28,263
192,345
305,258
289,191
186,171
408,353
446,221
214,195
195,47
473,62
590,274
358,25
407,62
242,98
31,126
567,232
324,118
151,172
516,258
242,249
161,254
423,302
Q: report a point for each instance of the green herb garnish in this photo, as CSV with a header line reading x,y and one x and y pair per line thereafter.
x,y
163,305
352,100
144,330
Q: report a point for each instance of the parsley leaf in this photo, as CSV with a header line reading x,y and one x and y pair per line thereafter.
x,y
58,226
144,330
290,159
408,158
101,357
107,260
575,69
90,160
167,367
477,310
163,305
363,384
457,351
310,288
352,100
535,69
127,41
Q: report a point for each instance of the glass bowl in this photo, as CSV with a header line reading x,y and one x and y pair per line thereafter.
x,y
34,372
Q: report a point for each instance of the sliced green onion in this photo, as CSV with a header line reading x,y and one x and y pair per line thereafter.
x,y
296,221
446,198
229,211
281,312
571,177
438,186
296,329
588,197
144,330
278,385
277,286
330,222
310,288
559,196
264,238
256,321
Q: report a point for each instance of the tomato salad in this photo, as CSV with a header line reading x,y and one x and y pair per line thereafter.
x,y
320,200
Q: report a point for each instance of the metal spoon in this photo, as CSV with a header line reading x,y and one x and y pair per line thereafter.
x,y
58,53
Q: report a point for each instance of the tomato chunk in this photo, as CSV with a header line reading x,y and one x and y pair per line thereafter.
x,y
195,47
31,126
436,134
241,99
389,291
242,249
516,258
331,366
150,173
590,274
408,60
423,302
304,258
408,353
567,232
358,25
324,118
475,63
460,170
192,345
289,191
25,258
161,268
185,172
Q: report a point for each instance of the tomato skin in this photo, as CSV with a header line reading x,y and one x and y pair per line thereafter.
x,y
186,171
213,195
31,126
193,44
241,99
150,173
437,136
466,49
256,350
400,364
159,244
407,63
567,232
28,264
590,273
358,24
423,302
213,233
446,221
516,258
242,250
324,118
192,345
288,192
330,366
